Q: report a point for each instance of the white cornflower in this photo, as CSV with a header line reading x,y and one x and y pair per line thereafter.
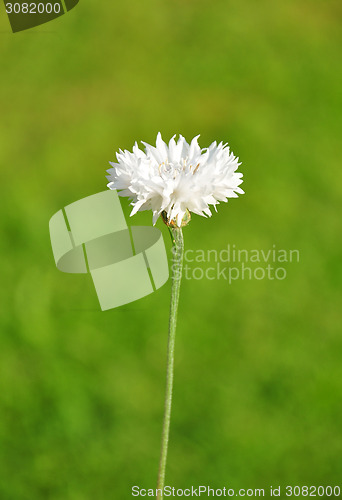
x,y
177,178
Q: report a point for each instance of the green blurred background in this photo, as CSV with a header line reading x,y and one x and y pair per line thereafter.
x,y
258,384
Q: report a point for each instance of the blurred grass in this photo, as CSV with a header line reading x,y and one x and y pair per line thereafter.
x,y
258,372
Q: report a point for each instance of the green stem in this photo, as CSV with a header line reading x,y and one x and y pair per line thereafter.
x,y
177,267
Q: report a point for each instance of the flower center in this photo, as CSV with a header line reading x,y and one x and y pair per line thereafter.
x,y
172,170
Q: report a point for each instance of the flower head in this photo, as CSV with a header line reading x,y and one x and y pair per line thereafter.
x,y
177,178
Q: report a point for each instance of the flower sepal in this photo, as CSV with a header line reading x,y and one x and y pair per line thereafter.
x,y
173,222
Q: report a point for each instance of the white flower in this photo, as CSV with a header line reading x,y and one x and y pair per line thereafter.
x,y
176,178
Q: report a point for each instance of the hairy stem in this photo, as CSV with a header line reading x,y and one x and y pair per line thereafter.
x,y
177,266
